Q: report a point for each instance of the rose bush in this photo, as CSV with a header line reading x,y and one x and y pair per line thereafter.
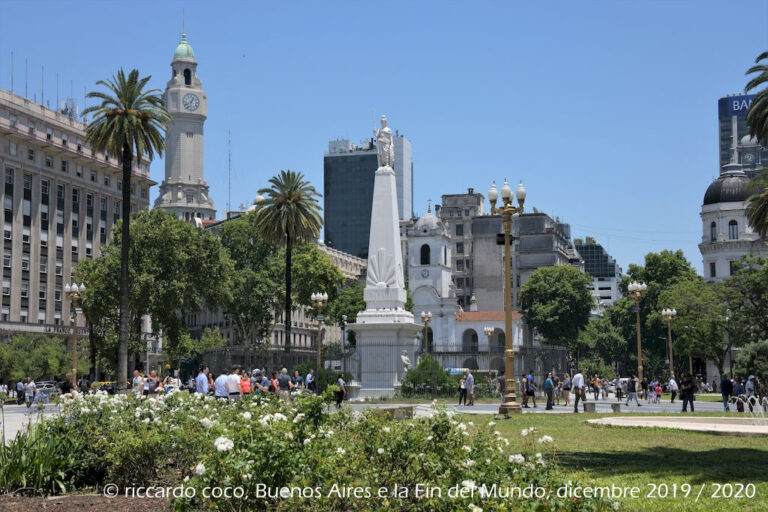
x,y
302,455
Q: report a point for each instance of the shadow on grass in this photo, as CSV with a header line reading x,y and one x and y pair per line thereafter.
x,y
718,465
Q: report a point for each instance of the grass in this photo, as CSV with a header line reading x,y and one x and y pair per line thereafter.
x,y
602,455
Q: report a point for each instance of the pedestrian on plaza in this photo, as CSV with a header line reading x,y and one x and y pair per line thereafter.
x,y
234,391
310,382
548,389
463,390
201,382
148,385
726,388
245,383
579,391
66,386
567,389
557,387
604,384
260,383
470,387
596,386
20,392
211,383
658,393
617,388
137,383
651,392
501,382
644,388
530,390
687,390
284,385
298,381
341,392
30,389
673,389
274,385
738,388
220,387
632,385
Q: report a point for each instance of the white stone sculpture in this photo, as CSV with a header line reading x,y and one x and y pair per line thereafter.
x,y
384,145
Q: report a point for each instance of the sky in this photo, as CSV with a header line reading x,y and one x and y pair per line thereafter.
x,y
606,110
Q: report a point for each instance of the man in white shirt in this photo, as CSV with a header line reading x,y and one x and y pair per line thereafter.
x,y
672,385
577,383
220,386
233,383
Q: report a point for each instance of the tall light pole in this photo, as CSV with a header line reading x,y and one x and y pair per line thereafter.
x,y
344,344
669,315
319,301
636,291
426,317
507,211
74,293
488,331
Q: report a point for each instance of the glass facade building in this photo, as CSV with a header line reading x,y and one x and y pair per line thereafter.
x,y
751,156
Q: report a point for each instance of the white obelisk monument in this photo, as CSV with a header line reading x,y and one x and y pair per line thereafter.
x,y
386,334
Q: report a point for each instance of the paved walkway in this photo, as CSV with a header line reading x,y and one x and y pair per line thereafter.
x,y
731,426
18,417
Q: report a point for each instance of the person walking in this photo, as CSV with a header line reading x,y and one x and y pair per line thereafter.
x,y
20,392
260,382
530,390
673,389
220,387
201,381
687,390
29,392
579,391
470,387
604,384
342,391
137,384
632,385
501,382
726,388
310,382
245,383
567,389
617,388
284,385
596,387
463,390
548,389
557,387
298,381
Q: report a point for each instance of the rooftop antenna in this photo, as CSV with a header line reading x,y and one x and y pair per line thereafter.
x,y
229,170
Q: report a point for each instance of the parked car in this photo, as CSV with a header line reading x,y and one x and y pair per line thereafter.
x,y
48,388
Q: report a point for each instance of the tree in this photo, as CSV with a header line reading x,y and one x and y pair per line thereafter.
x,y
289,213
757,115
128,122
747,297
314,271
557,302
753,360
37,356
349,302
757,203
601,339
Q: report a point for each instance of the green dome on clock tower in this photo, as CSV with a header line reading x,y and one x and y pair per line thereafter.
x,y
184,49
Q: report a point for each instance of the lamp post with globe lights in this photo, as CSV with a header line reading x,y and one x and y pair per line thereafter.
x,y
426,317
74,293
669,315
637,291
507,210
488,331
319,301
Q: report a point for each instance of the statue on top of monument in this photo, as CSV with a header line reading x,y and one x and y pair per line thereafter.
x,y
384,146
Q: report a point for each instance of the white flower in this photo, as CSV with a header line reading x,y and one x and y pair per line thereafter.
x,y
616,505
341,451
527,431
247,476
474,508
468,484
471,424
306,441
516,459
380,451
421,455
289,435
386,429
298,417
280,417
461,426
207,423
145,420
467,448
200,469
491,423
429,438
469,463
545,439
247,415
223,444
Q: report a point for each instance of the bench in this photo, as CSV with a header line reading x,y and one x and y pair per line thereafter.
x,y
616,407
589,406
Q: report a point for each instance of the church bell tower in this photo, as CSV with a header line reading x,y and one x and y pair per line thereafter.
x,y
184,191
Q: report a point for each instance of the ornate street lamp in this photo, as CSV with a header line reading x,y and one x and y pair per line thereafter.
x,y
488,330
319,301
426,317
669,315
636,291
507,211
74,293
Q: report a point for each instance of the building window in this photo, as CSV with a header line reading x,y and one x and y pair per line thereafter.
x,y
190,198
25,262
425,254
731,267
459,282
27,182
106,181
64,166
712,269
43,289
7,260
8,176
187,77
60,191
24,289
93,177
713,232
13,148
31,154
460,265
143,193
75,195
48,161
733,230
43,265
459,229
59,268
103,203
7,287
460,248
44,187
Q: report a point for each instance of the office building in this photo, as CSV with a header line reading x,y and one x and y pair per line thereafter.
x,y
61,201
184,191
732,120
603,269
348,191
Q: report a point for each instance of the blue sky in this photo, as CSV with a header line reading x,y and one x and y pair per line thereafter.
x,y
607,110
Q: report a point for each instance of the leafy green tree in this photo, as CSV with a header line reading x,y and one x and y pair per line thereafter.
x,y
289,213
349,302
37,356
313,271
601,339
128,122
428,376
747,297
557,302
753,360
757,115
757,203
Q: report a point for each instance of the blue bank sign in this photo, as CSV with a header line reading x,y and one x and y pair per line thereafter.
x,y
735,105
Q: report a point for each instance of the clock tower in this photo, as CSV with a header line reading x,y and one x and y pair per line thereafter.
x,y
184,190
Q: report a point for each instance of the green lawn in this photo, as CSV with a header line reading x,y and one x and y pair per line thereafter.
x,y
639,456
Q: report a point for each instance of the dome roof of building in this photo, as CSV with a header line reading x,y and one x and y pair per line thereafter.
x,y
728,188
428,221
184,49
749,141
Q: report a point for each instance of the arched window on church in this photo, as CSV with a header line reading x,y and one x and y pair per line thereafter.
x,y
187,77
733,230
424,254
713,232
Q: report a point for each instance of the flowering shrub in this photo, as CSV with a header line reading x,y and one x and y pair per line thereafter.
x,y
302,456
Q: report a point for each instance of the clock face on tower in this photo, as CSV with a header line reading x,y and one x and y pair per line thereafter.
x,y
425,273
749,158
190,102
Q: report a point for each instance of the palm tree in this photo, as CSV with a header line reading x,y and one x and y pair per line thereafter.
x,y
128,123
757,115
757,204
288,213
